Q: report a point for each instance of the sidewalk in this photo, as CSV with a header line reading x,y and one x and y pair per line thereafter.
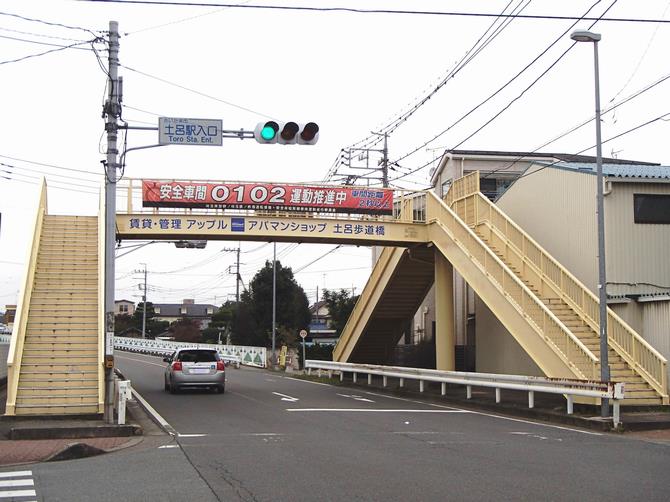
x,y
26,440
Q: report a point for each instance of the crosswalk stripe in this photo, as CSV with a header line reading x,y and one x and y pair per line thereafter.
x,y
15,474
10,483
17,493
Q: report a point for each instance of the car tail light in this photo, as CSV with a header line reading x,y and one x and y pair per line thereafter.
x,y
220,366
176,366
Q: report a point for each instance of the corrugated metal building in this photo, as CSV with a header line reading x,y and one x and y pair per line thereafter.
x,y
555,203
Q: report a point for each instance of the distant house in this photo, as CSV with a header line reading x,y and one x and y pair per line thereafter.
x,y
320,330
188,309
124,307
8,317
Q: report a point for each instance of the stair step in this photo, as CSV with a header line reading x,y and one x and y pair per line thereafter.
x,y
54,409
59,381
57,399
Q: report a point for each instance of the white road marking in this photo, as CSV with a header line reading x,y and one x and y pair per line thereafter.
x,y
262,434
191,435
169,446
140,361
15,474
375,410
157,416
13,483
357,398
284,397
590,433
415,432
17,493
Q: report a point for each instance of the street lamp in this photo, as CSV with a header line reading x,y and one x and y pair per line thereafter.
x,y
587,36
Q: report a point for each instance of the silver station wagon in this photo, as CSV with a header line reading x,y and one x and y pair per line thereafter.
x,y
195,368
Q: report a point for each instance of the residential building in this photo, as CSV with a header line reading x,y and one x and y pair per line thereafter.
x,y
171,312
320,330
124,307
8,318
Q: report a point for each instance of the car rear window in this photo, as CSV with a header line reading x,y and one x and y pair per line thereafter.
x,y
197,356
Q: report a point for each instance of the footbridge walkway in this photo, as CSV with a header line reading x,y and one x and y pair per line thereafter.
x,y
56,354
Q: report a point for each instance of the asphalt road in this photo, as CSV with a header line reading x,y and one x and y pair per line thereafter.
x,y
272,437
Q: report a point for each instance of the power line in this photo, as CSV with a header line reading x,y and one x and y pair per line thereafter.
x,y
632,129
57,49
381,11
199,93
48,23
509,104
503,87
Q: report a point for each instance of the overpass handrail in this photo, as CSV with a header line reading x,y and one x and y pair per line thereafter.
x,y
545,323
636,351
531,384
236,354
23,306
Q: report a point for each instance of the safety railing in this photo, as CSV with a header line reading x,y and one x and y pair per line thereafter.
x,y
462,187
23,307
546,325
5,338
234,354
570,388
102,264
477,210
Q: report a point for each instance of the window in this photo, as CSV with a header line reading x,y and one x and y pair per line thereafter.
x,y
123,308
183,310
157,310
651,208
210,310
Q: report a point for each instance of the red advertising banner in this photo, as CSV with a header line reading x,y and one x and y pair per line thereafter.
x,y
267,196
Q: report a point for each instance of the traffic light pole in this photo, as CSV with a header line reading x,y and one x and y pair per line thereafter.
x,y
112,109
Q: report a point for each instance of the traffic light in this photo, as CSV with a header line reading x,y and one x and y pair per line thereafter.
x,y
191,244
287,133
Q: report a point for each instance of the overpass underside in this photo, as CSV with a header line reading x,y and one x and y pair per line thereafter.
x,y
55,362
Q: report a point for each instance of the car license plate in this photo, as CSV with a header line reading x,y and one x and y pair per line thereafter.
x,y
199,370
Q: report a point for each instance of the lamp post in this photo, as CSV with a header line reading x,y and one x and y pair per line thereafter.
x,y
587,36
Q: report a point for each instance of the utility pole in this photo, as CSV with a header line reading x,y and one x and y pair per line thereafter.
x,y
385,162
274,303
237,280
111,113
144,304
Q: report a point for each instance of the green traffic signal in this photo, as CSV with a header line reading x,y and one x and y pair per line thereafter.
x,y
269,131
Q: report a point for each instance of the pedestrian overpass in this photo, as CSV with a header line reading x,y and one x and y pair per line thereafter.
x,y
56,358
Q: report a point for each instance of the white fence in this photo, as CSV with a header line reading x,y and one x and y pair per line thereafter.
x,y
5,338
237,354
568,387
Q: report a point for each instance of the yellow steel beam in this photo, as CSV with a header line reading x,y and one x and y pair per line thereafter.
x,y
284,228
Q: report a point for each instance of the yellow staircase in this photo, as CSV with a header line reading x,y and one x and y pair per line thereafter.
x,y
631,359
552,316
395,290
55,365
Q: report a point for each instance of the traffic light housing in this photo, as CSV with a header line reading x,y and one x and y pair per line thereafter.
x,y
286,133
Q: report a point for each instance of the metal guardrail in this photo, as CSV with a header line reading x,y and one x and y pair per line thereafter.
x,y
232,354
531,384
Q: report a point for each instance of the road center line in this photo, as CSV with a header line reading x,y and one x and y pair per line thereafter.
x,y
374,410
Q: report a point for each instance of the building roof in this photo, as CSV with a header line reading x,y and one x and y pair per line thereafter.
x,y
631,170
192,309
566,157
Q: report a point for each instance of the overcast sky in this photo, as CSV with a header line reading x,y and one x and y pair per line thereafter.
x,y
352,73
